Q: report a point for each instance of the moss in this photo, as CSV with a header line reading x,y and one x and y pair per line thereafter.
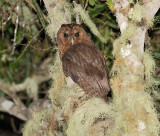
x,y
42,123
58,79
32,88
84,121
134,114
149,65
87,20
131,1
124,39
134,109
137,13
58,13
110,5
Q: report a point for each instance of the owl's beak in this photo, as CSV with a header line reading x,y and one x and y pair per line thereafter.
x,y
72,41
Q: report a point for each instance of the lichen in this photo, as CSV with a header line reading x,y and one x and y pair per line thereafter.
x,y
123,40
110,4
58,80
137,13
84,121
149,65
134,108
42,124
58,13
87,20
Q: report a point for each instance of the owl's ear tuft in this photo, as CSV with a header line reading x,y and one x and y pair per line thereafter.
x,y
63,25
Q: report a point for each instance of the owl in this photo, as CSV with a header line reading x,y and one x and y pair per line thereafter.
x,y
82,61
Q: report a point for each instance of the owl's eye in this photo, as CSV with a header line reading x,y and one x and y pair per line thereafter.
x,y
66,35
77,34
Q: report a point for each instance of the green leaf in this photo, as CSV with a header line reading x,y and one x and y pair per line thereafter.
x,y
114,26
99,21
19,34
157,80
108,16
97,10
92,2
40,13
110,4
156,55
106,34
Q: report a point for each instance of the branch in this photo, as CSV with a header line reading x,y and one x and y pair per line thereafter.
x,y
16,107
22,112
42,77
134,105
7,88
13,109
15,30
152,6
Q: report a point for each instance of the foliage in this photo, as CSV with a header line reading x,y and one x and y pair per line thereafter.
x,y
30,46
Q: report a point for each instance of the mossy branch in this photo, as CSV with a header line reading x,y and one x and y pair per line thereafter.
x,y
133,71
87,20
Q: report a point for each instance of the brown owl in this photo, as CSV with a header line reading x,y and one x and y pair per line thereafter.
x,y
82,61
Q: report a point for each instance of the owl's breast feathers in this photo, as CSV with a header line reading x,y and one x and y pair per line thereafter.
x,y
85,64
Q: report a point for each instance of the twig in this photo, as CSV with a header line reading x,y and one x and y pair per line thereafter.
x,y
28,45
7,20
7,88
86,4
31,5
45,49
3,51
2,28
13,125
16,43
13,109
12,7
11,94
83,2
15,31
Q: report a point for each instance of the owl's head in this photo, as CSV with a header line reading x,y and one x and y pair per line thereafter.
x,y
70,35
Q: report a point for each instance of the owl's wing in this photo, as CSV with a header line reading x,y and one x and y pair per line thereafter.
x,y
86,66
